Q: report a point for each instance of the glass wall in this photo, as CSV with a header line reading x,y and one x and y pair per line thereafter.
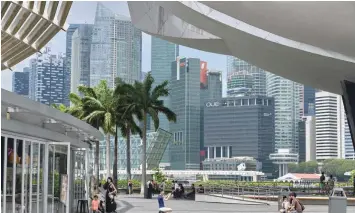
x,y
34,175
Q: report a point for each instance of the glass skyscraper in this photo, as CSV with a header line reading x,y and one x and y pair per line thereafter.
x,y
47,78
162,54
116,48
185,102
80,57
68,51
20,82
235,65
309,95
287,103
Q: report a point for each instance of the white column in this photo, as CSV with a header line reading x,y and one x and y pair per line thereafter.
x,y
221,151
214,152
280,170
45,177
208,152
228,150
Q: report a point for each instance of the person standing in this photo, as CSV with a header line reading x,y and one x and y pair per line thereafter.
x,y
321,183
331,183
130,187
110,196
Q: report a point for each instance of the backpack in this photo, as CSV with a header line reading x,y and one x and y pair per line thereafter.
x,y
302,206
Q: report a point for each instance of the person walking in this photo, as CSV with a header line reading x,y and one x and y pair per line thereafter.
x,y
110,196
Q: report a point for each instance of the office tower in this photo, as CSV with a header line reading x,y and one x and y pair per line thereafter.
x,y
32,79
302,140
240,127
240,83
116,48
308,101
310,137
185,102
68,51
80,57
162,54
330,126
48,75
20,82
287,116
259,75
349,151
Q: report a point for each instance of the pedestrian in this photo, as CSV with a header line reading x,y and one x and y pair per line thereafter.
x,y
110,196
321,183
130,187
95,204
285,205
331,183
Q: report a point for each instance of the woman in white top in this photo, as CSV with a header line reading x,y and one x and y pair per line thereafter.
x,y
285,205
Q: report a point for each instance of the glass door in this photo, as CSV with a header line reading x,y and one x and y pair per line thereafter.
x,y
58,177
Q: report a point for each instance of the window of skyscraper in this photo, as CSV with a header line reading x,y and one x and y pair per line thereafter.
x,y
218,152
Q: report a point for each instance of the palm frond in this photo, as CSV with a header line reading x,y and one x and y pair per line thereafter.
x,y
154,115
171,116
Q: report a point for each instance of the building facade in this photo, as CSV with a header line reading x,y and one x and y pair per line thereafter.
x,y
232,164
240,83
47,78
116,48
259,75
240,126
162,54
309,95
302,140
185,102
330,126
80,57
68,52
20,82
310,137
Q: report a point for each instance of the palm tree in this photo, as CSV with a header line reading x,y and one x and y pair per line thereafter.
x,y
125,121
143,98
100,108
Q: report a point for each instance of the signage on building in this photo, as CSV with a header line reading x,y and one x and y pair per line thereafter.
x,y
212,104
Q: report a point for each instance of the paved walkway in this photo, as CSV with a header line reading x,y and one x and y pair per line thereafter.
x,y
136,204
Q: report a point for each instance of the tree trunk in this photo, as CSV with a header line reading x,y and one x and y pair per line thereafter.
x,y
115,160
144,155
97,164
108,167
128,152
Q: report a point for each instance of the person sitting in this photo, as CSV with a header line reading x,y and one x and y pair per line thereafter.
x,y
162,208
200,189
285,205
192,193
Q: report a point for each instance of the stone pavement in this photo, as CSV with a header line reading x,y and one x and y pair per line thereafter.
x,y
136,204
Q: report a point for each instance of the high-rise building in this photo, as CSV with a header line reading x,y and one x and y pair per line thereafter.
x,y
20,82
47,74
259,75
330,126
32,79
240,83
302,141
239,127
185,102
162,54
310,137
68,51
287,117
309,95
349,151
116,48
80,57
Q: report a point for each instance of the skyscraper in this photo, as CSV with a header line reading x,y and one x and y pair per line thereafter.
x,y
259,75
116,48
330,126
48,75
240,83
185,102
20,82
287,116
309,95
80,57
68,51
162,54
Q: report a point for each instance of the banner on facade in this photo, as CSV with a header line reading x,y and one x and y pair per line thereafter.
x,y
64,189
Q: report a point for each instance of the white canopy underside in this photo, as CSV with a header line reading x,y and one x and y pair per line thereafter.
x,y
312,43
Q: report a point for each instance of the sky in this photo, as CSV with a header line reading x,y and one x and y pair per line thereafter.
x,y
84,12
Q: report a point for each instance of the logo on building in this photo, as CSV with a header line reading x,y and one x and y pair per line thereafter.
x,y
212,104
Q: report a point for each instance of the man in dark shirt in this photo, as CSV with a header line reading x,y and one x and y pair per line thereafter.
x,y
321,182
